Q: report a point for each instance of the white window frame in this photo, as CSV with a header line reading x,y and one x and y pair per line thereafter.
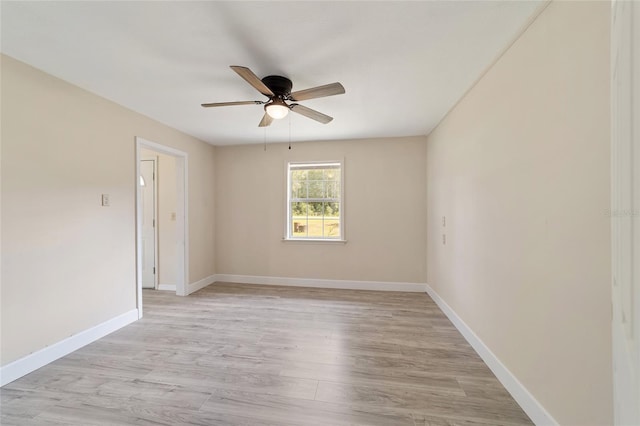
x,y
288,235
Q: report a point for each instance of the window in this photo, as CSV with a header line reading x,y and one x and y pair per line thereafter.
x,y
314,201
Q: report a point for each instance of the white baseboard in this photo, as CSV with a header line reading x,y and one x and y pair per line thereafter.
x,y
321,283
167,287
529,404
32,362
193,287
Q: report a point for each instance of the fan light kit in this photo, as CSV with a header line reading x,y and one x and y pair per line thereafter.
x,y
277,109
278,90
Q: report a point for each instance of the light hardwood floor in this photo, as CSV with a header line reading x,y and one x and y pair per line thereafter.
x,y
235,354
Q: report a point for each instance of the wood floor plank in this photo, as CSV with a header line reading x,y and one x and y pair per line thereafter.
x,y
200,379
423,401
308,412
430,420
234,354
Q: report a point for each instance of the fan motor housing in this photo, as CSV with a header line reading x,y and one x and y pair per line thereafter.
x,y
280,86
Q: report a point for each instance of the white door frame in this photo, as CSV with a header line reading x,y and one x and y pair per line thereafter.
x,y
625,209
182,216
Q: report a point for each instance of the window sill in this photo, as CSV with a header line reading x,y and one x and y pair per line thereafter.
x,y
313,240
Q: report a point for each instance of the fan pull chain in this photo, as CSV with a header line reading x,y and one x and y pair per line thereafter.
x,y
265,139
289,132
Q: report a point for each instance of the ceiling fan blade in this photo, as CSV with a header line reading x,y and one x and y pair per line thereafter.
x,y
311,113
266,120
219,104
318,92
252,79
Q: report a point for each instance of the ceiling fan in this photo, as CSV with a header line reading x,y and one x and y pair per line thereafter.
x,y
278,90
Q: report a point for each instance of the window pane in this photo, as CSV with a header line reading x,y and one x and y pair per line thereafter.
x,y
316,189
315,227
299,224
315,174
332,174
332,210
332,227
316,208
333,189
299,227
298,174
299,209
298,189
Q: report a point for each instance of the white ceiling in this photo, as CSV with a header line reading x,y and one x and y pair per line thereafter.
x,y
403,64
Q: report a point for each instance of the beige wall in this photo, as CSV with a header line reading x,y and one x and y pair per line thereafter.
x,y
166,204
67,263
520,169
385,206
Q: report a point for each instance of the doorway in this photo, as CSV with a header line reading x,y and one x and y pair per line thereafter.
x,y
152,217
149,204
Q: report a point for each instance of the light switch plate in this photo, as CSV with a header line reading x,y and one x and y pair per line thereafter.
x,y
105,200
